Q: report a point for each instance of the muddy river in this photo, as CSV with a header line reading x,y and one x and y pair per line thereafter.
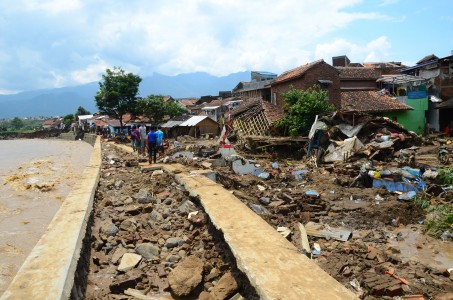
x,y
35,177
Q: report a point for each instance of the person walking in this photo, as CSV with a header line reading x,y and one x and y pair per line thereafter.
x,y
152,145
132,137
137,139
142,130
160,140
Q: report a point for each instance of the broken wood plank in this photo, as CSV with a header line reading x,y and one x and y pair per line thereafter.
x,y
304,238
319,230
139,295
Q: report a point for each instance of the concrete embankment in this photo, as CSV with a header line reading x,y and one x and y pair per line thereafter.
x,y
51,269
88,137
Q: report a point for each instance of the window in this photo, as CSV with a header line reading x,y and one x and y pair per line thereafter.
x,y
324,84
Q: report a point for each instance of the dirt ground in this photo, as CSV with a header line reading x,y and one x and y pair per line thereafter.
x,y
387,255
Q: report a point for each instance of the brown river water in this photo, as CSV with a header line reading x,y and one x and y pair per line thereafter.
x,y
35,177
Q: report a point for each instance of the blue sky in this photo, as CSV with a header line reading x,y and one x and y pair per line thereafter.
x,y
56,43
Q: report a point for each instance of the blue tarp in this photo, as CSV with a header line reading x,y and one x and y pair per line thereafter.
x,y
393,186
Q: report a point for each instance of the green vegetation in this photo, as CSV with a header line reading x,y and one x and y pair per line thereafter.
x,y
440,220
68,119
440,209
302,107
422,200
81,112
19,125
445,175
155,108
117,93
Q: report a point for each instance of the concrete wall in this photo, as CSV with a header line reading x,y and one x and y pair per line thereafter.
x,y
87,137
309,79
54,264
413,120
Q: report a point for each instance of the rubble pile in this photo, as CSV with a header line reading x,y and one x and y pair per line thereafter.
x,y
356,229
150,238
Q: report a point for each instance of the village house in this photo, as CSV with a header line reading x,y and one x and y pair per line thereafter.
x,y
315,73
55,123
439,75
258,87
197,126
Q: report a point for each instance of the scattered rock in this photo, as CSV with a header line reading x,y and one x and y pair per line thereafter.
x,y
186,276
108,228
226,287
173,242
129,261
148,251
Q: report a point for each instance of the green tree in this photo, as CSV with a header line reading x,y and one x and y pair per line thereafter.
x,y
3,126
174,109
68,119
302,107
17,123
155,108
80,112
117,93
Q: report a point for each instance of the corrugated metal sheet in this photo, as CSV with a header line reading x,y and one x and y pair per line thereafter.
x,y
171,124
193,121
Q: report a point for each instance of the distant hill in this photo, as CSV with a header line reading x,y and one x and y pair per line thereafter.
x,y
63,101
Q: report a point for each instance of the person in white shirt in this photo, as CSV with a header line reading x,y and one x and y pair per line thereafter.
x,y
142,130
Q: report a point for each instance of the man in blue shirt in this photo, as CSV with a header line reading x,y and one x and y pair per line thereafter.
x,y
160,137
152,145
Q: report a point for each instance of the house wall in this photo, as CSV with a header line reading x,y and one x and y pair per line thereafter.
x,y
309,79
413,120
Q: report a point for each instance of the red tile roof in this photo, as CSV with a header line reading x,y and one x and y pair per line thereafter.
x,y
358,73
370,101
297,72
188,102
250,108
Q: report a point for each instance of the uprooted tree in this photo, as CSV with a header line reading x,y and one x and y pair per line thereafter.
x,y
302,106
155,108
117,93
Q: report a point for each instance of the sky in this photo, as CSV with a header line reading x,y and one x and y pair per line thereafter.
x,y
57,43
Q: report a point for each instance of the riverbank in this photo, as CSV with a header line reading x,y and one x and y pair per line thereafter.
x,y
36,176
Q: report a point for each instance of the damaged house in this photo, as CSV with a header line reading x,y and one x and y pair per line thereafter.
x,y
315,73
258,87
439,75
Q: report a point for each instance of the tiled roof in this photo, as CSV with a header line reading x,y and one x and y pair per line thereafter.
x,y
358,73
297,72
370,101
380,65
188,102
214,103
250,108
427,58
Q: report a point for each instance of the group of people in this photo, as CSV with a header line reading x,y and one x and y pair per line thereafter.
x,y
152,142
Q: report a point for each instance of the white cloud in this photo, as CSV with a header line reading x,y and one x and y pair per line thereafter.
x,y
78,39
52,6
374,51
388,2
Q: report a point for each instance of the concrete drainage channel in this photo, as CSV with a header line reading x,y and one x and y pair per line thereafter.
x,y
151,240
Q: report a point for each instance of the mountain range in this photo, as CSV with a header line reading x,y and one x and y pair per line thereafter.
x,y
66,100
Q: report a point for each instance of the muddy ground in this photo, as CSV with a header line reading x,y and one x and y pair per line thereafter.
x,y
386,256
